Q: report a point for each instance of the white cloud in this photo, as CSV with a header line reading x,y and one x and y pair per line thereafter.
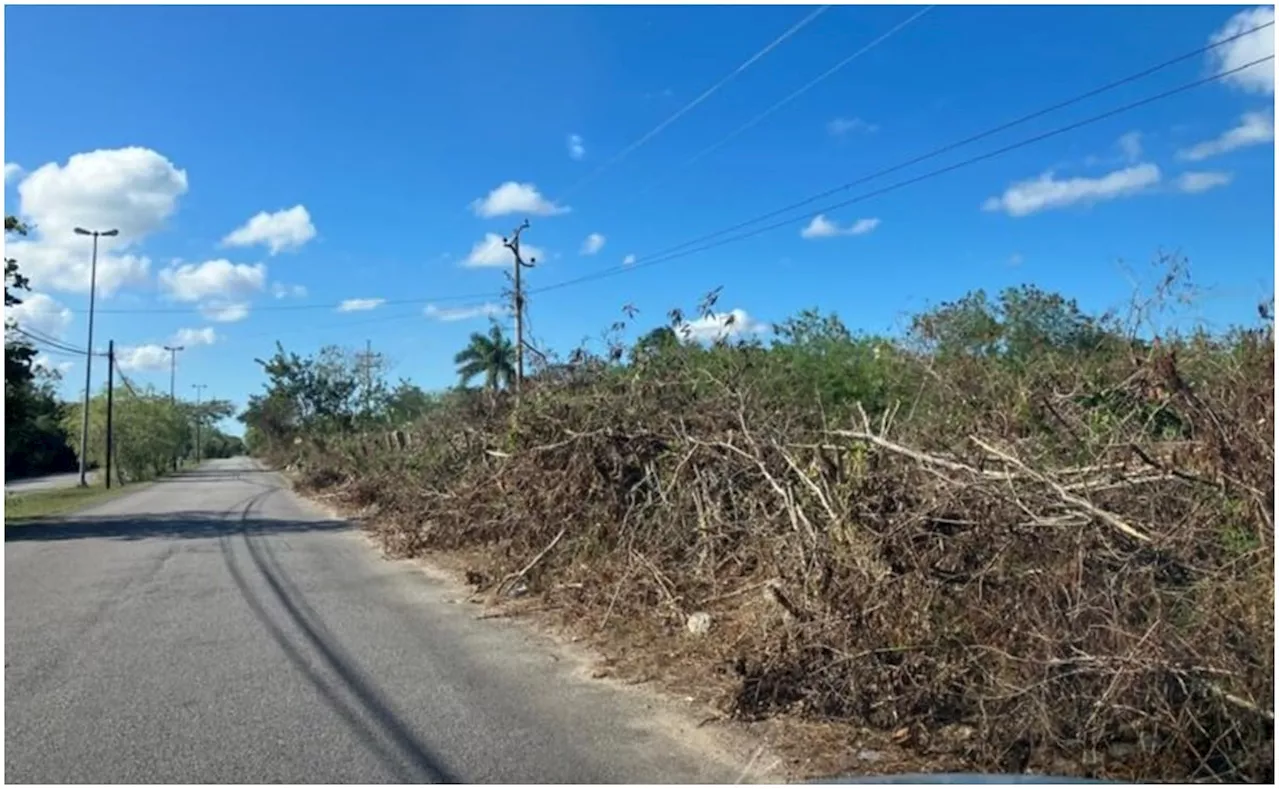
x,y
863,226
224,311
1131,145
1255,46
1046,192
12,171
839,127
67,266
516,198
821,227
61,368
283,291
191,338
726,325
577,149
212,279
629,260
143,358
450,314
593,244
360,305
1195,182
280,231
132,190
489,251
1255,128
40,313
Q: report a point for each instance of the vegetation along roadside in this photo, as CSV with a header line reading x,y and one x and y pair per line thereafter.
x,y
1018,537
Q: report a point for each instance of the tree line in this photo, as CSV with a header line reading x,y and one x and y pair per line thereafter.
x,y
34,439
334,391
340,391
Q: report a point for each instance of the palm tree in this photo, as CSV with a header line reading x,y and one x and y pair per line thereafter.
x,y
492,356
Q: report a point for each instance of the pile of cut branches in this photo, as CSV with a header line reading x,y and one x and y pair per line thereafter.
x,y
1060,562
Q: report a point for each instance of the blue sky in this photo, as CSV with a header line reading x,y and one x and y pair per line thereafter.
x,y
395,129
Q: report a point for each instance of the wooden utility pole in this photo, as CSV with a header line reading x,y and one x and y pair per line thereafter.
x,y
513,244
111,368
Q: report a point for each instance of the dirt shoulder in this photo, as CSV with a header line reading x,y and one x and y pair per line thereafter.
x,y
681,703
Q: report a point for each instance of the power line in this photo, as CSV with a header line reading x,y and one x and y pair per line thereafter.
x,y
805,88
706,94
38,336
124,378
291,307
907,182
679,251
968,140
344,326
65,346
489,295
45,343
59,353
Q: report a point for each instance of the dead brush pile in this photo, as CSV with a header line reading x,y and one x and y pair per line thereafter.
x,y
1061,563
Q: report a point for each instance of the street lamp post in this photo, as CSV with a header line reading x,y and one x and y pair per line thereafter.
x,y
88,359
173,367
173,371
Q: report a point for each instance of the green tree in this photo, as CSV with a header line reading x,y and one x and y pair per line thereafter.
x,y
407,402
148,429
816,356
653,344
1034,321
37,443
34,440
969,326
312,395
491,355
19,355
217,444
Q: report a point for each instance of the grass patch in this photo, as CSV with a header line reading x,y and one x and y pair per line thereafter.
x,y
40,504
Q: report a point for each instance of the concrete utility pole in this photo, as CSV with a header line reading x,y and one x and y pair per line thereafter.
x,y
366,362
199,389
173,375
111,368
88,359
513,244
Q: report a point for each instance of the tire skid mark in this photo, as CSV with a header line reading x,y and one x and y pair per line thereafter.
x,y
383,733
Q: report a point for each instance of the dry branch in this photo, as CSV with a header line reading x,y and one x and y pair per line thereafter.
x,y
1101,514
513,577
937,576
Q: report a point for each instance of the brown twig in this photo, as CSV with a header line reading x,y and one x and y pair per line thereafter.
x,y
1107,517
513,577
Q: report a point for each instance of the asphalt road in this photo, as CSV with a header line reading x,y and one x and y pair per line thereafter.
x,y
47,482
213,628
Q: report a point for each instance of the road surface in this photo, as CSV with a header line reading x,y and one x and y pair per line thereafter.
x,y
213,628
47,482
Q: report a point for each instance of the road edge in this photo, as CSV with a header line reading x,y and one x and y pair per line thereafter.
x,y
733,743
